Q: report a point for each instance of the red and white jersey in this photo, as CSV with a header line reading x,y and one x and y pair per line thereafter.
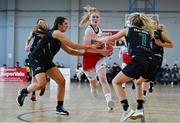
x,y
90,59
124,56
96,33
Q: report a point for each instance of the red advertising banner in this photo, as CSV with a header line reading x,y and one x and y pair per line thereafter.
x,y
109,32
13,74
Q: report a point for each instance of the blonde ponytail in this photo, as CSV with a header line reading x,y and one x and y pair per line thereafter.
x,y
84,20
147,22
142,21
87,14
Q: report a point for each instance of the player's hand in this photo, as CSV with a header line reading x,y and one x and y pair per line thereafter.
x,y
27,49
106,52
110,43
159,43
95,46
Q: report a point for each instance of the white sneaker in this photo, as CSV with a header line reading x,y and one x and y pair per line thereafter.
x,y
110,105
138,113
127,114
124,85
94,93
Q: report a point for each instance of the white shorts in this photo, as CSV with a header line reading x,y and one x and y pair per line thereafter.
x,y
123,65
92,74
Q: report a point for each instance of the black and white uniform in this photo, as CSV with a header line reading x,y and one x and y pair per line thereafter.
x,y
41,57
143,62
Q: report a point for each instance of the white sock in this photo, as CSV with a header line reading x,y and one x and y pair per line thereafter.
x,y
124,85
108,97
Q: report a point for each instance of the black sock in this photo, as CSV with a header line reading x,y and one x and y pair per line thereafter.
x,y
144,93
60,103
125,104
24,91
151,85
140,104
133,86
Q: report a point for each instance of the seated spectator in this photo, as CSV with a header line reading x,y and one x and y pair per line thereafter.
x,y
109,73
4,65
28,69
79,75
79,65
115,69
175,69
17,65
175,79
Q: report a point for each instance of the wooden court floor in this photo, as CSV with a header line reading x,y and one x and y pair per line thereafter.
x,y
163,105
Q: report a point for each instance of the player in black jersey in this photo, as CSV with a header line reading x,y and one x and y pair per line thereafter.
x,y
158,46
40,60
142,65
36,34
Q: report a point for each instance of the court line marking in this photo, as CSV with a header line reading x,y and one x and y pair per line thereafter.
x,y
23,114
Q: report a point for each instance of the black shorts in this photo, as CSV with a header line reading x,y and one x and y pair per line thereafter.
x,y
40,65
141,66
159,61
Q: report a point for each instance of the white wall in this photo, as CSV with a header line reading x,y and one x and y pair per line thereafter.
x,y
26,19
2,32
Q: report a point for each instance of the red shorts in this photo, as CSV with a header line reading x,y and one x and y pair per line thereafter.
x,y
90,59
126,58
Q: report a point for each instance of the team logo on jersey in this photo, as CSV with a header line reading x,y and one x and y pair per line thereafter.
x,y
38,68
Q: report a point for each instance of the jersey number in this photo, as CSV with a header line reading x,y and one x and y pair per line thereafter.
x,y
143,39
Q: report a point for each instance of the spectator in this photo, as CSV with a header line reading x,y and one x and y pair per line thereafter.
x,y
17,65
4,65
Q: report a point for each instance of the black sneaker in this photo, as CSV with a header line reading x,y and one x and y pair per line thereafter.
x,y
42,92
151,87
60,110
150,90
20,98
133,86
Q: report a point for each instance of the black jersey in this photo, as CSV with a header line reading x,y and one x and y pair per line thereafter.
x,y
139,42
46,48
37,38
158,49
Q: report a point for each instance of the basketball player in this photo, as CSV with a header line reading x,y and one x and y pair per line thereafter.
x,y
40,60
36,34
158,46
143,64
94,64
